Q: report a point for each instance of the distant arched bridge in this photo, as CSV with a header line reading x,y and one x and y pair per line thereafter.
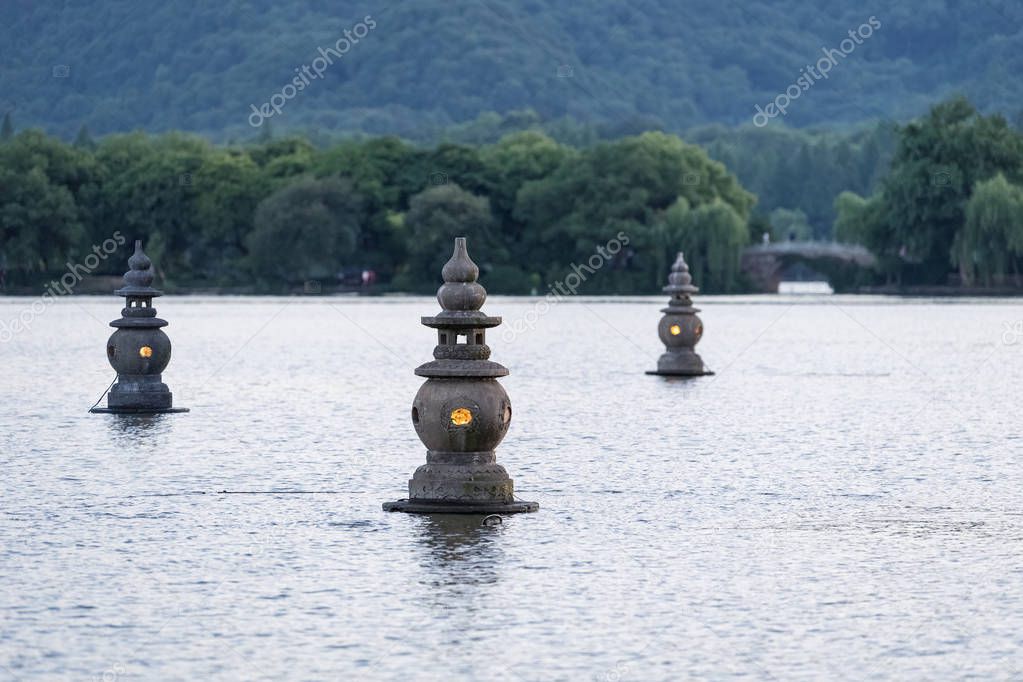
x,y
764,264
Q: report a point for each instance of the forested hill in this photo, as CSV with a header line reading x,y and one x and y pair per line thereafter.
x,y
419,65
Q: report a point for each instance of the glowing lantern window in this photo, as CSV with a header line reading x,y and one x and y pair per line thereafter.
x,y
461,416
675,330
146,352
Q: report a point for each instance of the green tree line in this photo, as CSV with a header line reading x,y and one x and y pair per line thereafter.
x,y
940,195
273,215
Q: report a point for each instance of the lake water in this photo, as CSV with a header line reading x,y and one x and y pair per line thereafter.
x,y
841,500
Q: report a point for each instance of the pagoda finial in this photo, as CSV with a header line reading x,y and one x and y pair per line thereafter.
x,y
141,268
460,267
460,291
138,281
680,282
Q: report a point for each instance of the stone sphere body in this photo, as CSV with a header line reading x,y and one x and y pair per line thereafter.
x,y
689,329
139,350
461,296
461,414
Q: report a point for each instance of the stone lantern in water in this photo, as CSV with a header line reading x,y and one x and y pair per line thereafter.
x,y
680,328
461,412
139,350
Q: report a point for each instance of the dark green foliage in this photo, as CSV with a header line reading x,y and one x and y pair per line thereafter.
x,y
277,214
713,235
6,128
305,231
623,187
939,161
83,139
991,242
801,170
436,215
647,64
45,189
916,221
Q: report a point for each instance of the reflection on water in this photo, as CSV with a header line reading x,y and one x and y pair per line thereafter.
x,y
133,426
460,549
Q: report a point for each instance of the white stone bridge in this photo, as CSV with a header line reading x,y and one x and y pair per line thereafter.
x,y
764,264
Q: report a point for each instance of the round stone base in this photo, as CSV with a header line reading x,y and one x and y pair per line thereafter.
x,y
138,410
681,373
442,507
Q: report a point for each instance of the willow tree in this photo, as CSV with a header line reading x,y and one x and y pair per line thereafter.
x,y
991,240
939,161
712,236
